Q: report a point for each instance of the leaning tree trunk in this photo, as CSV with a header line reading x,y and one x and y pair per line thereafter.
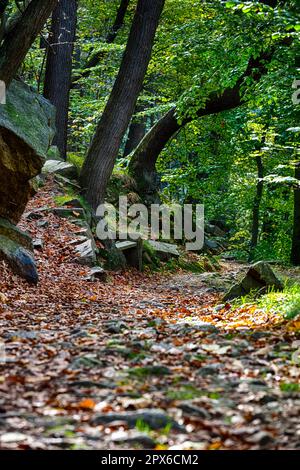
x,y
19,39
295,254
256,205
142,165
59,67
111,129
136,133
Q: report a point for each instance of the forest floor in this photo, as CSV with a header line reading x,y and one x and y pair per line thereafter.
x,y
142,361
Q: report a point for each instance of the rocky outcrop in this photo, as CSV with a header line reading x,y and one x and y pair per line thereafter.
x,y
26,132
164,251
259,278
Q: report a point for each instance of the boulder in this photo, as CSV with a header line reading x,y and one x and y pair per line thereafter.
x,y
133,252
260,277
19,259
97,273
27,126
215,231
86,253
60,168
12,232
66,213
164,251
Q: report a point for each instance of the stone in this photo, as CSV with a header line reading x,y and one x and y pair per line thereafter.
x,y
155,419
19,259
164,251
211,245
66,213
15,234
96,273
42,223
38,244
260,277
115,259
134,438
86,254
215,231
126,245
61,168
190,409
211,369
115,327
27,126
133,252
262,438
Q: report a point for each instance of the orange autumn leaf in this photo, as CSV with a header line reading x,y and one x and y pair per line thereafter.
x,y
87,404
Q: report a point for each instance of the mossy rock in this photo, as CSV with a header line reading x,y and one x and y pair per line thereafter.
x,y
27,127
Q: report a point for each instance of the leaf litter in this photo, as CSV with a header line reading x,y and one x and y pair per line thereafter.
x,y
142,361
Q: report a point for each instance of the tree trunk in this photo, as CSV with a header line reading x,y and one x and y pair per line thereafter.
x,y
110,131
256,205
19,39
143,162
59,67
136,133
295,254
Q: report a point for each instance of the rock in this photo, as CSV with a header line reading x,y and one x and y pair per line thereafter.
x,y
24,334
126,245
133,252
155,419
65,213
73,203
261,438
61,168
193,410
42,223
96,273
133,438
150,370
212,246
115,327
86,254
19,259
83,229
164,251
38,244
221,223
212,369
15,234
88,362
260,277
26,130
215,231
36,214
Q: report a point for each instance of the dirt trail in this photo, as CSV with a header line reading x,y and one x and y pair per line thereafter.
x,y
137,362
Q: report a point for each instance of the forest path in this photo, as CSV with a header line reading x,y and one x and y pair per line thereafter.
x,y
142,361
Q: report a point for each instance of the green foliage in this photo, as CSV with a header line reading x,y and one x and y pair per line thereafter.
x,y
202,47
286,303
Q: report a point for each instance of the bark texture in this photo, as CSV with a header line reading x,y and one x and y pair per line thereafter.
x,y
111,129
59,67
19,39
